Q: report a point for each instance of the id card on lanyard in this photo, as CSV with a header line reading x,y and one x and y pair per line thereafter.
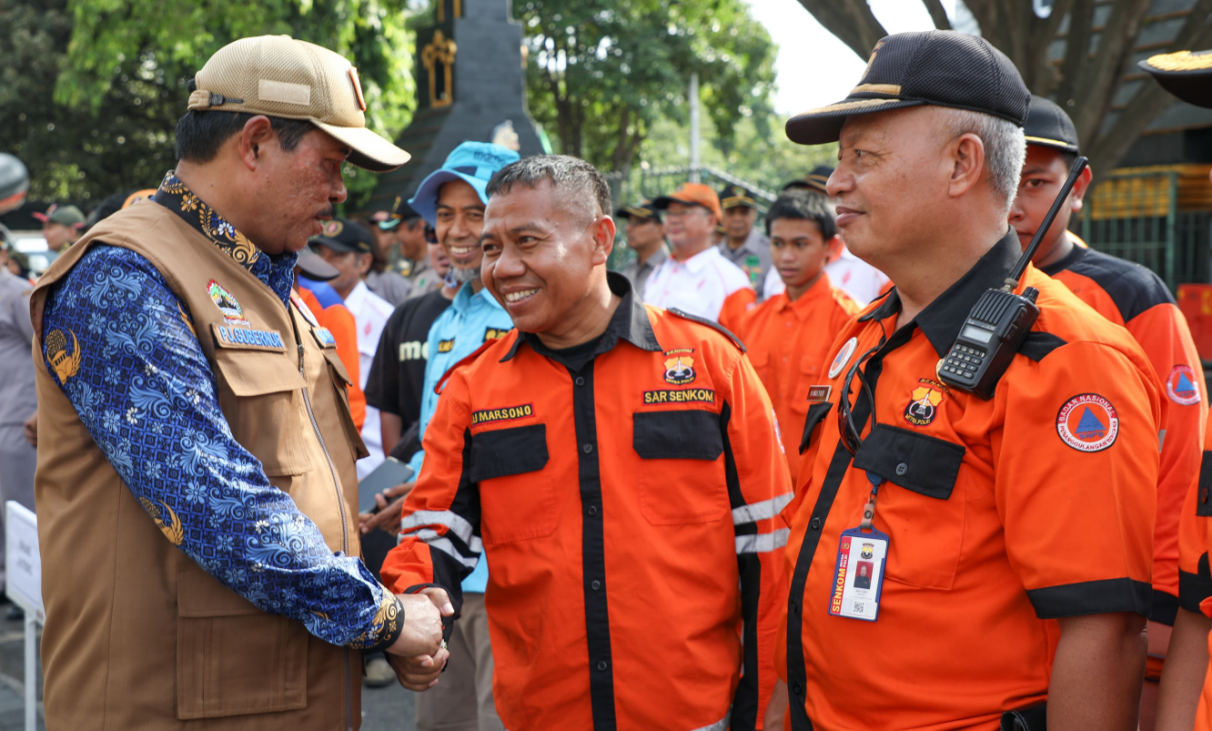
x,y
858,575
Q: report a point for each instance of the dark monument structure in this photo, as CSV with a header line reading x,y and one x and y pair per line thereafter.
x,y
470,86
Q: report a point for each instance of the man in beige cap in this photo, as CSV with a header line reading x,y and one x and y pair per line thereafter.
x,y
196,488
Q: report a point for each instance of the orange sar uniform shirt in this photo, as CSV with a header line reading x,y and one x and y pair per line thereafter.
x,y
626,494
1195,577
1003,515
787,342
1130,295
340,322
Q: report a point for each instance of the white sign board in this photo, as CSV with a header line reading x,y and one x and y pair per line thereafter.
x,y
22,562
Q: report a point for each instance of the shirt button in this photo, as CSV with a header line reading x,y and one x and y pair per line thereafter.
x,y
591,510
797,689
586,448
579,381
595,585
902,468
602,665
795,607
815,523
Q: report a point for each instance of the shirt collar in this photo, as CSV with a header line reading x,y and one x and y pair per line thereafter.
x,y
275,272
657,258
466,298
942,319
629,322
1065,262
698,262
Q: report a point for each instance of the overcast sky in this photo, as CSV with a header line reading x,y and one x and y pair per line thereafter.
x,y
813,67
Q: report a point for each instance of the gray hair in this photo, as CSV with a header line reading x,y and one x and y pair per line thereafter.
x,y
569,175
1005,147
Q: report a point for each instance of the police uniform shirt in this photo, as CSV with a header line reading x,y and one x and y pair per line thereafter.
x,y
1002,514
637,272
398,370
752,257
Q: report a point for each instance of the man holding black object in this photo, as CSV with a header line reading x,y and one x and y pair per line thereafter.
x,y
1021,524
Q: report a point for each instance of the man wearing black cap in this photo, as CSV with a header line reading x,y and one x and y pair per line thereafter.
x,y
1009,537
1185,696
401,250
646,237
743,244
1129,295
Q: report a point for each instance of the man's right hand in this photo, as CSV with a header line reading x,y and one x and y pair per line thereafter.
x,y
423,612
390,503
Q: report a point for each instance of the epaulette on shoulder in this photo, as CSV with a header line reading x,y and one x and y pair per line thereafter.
x,y
709,323
441,384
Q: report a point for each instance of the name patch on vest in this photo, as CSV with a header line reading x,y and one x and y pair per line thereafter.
x,y
445,346
324,337
247,338
680,396
493,333
507,413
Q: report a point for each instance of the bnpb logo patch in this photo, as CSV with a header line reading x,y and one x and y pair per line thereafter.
x,y
1088,423
1180,386
843,357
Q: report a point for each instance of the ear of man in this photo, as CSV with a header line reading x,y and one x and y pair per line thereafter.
x,y
256,133
603,230
966,154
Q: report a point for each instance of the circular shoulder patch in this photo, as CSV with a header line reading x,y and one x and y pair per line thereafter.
x,y
843,357
1088,423
1180,385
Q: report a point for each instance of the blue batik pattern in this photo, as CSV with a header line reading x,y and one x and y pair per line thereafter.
x,y
144,390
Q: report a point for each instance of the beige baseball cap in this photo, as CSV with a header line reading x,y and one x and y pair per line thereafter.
x,y
282,76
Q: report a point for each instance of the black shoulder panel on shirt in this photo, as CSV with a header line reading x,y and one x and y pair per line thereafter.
x,y
709,323
441,384
1039,344
1131,286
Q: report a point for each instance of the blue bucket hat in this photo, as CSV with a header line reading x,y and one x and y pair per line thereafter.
x,y
473,163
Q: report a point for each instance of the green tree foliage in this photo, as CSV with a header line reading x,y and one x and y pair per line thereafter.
x,y
602,73
90,90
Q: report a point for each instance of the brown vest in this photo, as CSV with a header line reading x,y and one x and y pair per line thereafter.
x,y
137,635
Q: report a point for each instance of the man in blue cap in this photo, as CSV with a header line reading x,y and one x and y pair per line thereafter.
x,y
452,200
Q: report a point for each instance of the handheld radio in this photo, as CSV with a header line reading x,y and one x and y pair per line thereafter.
x,y
996,325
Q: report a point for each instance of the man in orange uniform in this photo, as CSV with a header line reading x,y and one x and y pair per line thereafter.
x,y
618,467
789,334
1185,696
1009,538
1130,295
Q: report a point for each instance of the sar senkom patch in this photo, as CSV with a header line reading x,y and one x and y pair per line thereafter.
x,y
1087,422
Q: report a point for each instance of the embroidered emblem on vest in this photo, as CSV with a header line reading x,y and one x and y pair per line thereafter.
x,y
64,365
494,333
233,313
923,406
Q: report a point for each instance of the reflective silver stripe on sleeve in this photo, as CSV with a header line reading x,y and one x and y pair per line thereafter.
x,y
429,535
445,545
720,725
456,523
764,510
762,542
